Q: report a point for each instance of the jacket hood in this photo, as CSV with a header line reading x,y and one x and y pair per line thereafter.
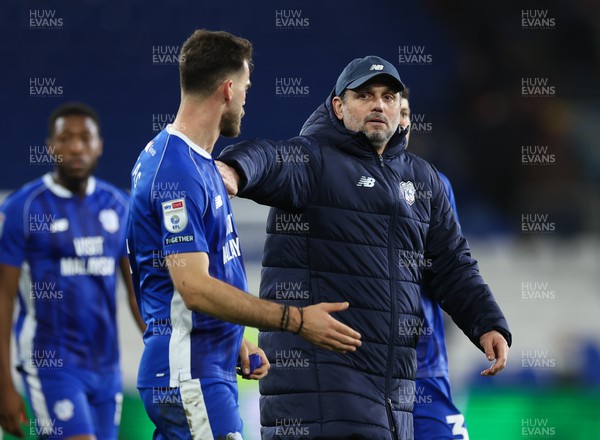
x,y
324,126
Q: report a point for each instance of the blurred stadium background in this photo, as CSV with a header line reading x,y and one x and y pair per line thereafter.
x,y
505,102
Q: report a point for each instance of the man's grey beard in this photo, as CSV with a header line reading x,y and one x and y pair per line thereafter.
x,y
378,139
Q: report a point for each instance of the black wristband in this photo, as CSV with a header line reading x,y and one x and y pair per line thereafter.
x,y
285,318
301,310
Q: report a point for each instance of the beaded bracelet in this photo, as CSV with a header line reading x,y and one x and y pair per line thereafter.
x,y
301,310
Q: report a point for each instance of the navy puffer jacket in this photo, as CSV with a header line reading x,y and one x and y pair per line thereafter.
x,y
350,225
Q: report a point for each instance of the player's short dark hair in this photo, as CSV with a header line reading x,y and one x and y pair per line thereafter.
x,y
72,109
207,57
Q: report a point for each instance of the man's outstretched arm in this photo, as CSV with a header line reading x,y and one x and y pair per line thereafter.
x,y
201,292
281,174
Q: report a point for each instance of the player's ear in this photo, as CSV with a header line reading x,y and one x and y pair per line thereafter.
x,y
337,103
51,148
227,87
100,146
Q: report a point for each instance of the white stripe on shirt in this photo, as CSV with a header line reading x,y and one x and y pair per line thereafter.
x,y
180,347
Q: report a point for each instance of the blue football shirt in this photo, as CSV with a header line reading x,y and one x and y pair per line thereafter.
x,y
432,358
68,248
179,204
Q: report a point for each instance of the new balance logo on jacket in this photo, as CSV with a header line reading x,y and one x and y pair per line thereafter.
x,y
367,182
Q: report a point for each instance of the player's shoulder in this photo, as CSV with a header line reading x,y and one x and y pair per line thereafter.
x,y
106,188
178,144
25,194
183,159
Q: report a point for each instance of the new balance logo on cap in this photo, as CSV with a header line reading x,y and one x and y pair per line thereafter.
x,y
376,67
367,182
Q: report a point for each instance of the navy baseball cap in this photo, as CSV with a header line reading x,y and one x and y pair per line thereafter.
x,y
360,70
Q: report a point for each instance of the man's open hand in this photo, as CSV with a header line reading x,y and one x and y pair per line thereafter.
x,y
495,347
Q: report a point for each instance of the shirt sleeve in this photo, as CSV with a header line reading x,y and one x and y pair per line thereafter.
x,y
12,233
180,199
123,198
449,193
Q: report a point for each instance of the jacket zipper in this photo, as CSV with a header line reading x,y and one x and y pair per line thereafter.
x,y
390,411
393,321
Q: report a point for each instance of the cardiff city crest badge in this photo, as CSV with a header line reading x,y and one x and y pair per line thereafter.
x,y
407,191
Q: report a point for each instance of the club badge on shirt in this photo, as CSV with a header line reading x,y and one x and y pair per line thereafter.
x,y
109,220
175,216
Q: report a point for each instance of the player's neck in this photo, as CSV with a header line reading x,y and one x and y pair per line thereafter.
x,y
76,186
199,121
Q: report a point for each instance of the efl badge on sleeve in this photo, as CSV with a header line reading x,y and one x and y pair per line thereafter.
x,y
175,216
407,190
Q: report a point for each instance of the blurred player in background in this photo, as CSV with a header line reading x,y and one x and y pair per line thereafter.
x,y
187,263
62,243
434,415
